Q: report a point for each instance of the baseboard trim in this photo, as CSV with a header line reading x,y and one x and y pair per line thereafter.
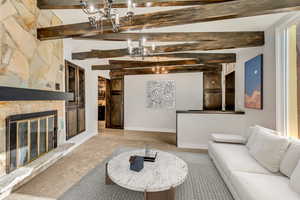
x,y
164,130
80,139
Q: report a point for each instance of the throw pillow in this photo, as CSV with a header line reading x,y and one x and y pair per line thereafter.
x,y
291,158
268,149
227,138
295,179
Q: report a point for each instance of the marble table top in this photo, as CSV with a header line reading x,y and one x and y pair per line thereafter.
x,y
167,171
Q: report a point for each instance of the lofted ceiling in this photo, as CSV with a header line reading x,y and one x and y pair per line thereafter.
x,y
257,23
97,51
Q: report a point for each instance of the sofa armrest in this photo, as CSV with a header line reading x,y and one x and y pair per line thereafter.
x,y
227,138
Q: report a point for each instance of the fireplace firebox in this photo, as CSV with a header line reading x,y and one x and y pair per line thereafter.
x,y
29,136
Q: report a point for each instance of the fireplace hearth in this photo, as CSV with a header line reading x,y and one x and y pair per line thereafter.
x,y
29,136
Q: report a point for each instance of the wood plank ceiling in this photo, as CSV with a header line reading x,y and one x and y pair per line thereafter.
x,y
196,14
201,11
75,4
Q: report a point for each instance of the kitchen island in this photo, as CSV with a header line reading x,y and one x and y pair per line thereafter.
x,y
194,127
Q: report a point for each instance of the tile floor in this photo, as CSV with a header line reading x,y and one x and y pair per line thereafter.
x,y
57,179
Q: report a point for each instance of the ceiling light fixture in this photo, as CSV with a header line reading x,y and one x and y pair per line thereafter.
x,y
96,16
141,50
148,4
159,70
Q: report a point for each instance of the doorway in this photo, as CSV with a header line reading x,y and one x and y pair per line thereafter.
x,y
110,103
103,102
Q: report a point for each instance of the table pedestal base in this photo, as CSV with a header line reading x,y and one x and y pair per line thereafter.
x,y
163,195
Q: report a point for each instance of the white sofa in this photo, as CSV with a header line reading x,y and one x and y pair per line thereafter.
x,y
245,176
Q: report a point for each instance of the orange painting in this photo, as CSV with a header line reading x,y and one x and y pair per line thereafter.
x,y
254,83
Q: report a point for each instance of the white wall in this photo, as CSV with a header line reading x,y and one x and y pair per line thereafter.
x,y
189,96
139,118
267,116
91,96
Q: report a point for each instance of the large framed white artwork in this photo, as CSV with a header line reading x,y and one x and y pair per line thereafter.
x,y
161,94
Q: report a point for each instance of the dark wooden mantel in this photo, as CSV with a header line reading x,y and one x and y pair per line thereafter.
x,y
22,94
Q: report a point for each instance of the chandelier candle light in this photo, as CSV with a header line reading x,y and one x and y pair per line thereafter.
x,y
96,16
130,13
159,70
140,50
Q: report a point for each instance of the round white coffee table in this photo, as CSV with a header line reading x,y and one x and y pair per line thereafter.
x,y
157,180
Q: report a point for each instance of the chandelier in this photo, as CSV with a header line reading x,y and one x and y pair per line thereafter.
x,y
141,50
159,70
96,16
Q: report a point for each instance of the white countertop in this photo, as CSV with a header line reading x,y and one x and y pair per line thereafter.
x,y
167,171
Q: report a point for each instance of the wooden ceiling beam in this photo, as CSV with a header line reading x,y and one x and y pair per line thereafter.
x,y
202,13
205,58
114,53
75,4
173,36
133,63
229,43
171,69
148,65
209,58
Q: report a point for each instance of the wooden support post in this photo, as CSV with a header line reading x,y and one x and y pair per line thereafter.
x,y
163,195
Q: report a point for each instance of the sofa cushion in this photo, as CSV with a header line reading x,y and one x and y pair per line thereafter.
x,y
249,132
268,149
291,158
274,132
252,132
251,186
227,138
295,179
235,157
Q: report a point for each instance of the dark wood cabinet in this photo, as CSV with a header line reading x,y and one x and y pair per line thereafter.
x,y
212,91
107,104
230,91
115,104
75,108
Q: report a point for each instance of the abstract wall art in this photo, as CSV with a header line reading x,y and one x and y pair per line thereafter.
x,y
254,83
160,94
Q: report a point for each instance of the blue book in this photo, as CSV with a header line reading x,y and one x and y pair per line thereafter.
x,y
136,163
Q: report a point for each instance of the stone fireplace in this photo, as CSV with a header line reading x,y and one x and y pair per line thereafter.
x,y
29,136
28,63
28,130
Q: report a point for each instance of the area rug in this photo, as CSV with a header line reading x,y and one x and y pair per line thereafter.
x,y
203,183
